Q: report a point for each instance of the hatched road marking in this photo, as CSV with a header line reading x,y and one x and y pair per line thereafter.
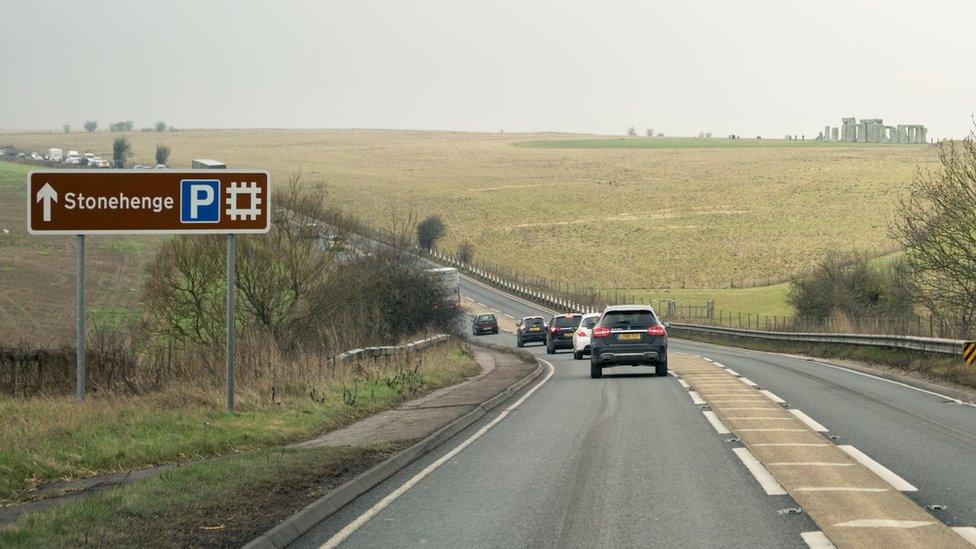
x,y
886,474
816,540
716,422
766,480
808,421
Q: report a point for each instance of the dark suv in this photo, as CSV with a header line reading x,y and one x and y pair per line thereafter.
x,y
532,328
484,324
628,335
560,333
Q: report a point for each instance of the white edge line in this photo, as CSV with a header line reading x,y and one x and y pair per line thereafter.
x,y
356,524
719,364
817,540
772,397
733,372
695,397
748,381
809,421
766,480
886,474
716,422
967,533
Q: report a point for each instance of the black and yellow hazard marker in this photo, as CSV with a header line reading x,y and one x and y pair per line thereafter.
x,y
969,351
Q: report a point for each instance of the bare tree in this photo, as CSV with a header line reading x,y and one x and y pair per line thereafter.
x,y
401,221
465,251
936,227
162,154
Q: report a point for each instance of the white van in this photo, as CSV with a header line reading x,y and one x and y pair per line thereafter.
x,y
54,155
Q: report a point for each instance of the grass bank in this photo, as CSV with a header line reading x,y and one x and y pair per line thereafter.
x,y
927,366
224,502
50,438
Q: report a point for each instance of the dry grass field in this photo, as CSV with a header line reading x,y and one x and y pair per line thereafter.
x,y
638,213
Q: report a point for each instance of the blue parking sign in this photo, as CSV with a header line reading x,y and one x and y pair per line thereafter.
x,y
199,201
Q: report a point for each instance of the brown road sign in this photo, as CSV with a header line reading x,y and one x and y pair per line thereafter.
x,y
969,351
148,201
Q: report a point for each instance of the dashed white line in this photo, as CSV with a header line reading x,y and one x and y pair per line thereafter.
x,y
764,408
733,372
748,382
809,421
695,397
772,397
809,464
968,533
683,383
772,430
817,540
766,480
719,364
351,528
716,422
886,474
768,418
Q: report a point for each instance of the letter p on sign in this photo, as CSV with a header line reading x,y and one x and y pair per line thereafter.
x,y
199,201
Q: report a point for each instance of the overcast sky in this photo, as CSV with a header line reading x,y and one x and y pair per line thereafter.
x,y
682,67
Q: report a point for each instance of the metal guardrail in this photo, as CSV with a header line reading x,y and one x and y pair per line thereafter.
x,y
914,343
389,350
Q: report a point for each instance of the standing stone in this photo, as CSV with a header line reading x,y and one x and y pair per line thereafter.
x,y
902,133
923,131
912,135
826,133
833,134
849,130
862,131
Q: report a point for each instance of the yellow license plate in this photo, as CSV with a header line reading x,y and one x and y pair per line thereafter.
x,y
629,337
533,329
569,335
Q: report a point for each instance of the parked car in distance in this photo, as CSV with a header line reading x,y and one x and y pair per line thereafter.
x,y
73,160
160,166
103,164
531,329
630,335
560,333
581,337
54,155
485,323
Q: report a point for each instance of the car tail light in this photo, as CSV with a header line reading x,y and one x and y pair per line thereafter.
x,y
657,330
581,333
554,330
601,331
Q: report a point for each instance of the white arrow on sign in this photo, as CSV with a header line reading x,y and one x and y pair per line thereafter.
x,y
47,194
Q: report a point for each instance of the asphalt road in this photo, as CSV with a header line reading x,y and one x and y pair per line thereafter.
x,y
629,460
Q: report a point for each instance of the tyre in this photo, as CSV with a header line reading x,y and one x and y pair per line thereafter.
x,y
596,372
495,331
519,342
550,350
577,355
661,369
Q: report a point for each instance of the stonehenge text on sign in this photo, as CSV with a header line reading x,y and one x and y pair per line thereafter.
x,y
148,201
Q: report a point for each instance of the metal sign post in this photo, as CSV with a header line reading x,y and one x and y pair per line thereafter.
x,y
82,202
231,320
80,319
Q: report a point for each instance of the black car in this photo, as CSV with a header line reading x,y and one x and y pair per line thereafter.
x,y
485,323
560,332
629,335
530,329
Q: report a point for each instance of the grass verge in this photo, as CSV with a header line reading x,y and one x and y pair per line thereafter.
x,y
224,502
49,438
928,366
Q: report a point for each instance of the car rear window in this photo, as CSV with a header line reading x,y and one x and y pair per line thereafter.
x,y
640,318
590,322
485,318
534,322
567,321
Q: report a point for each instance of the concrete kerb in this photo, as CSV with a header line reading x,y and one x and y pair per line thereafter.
x,y
301,522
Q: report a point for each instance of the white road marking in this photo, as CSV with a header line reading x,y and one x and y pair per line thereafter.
x,y
716,423
809,421
695,397
719,364
733,401
884,523
351,528
809,464
733,372
791,444
838,489
817,540
765,408
772,397
886,474
707,359
683,383
968,533
766,480
748,382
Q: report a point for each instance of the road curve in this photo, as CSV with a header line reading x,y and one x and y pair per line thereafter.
x,y
631,460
